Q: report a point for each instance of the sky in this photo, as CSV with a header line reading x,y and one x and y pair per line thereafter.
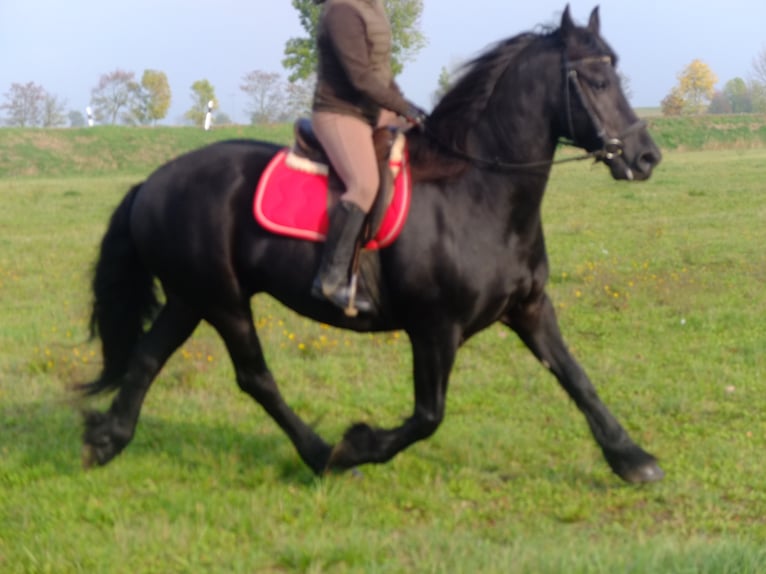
x,y
66,46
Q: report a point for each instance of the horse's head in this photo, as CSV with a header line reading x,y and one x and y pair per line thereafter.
x,y
596,113
513,103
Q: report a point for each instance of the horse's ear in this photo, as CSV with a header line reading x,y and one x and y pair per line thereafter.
x,y
594,24
567,24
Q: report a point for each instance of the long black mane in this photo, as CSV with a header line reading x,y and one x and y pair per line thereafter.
x,y
461,107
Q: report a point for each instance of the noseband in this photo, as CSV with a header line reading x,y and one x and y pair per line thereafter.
x,y
611,147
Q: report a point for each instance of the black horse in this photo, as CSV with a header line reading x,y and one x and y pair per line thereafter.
x,y
471,253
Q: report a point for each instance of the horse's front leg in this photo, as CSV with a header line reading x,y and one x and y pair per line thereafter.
x,y
433,357
536,324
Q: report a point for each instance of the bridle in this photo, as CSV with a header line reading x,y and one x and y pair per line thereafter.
x,y
611,147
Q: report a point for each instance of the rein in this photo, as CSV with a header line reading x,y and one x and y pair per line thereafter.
x,y
611,146
501,165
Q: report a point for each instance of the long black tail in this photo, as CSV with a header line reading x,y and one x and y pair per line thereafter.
x,y
124,299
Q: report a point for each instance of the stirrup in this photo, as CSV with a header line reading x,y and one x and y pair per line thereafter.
x,y
346,297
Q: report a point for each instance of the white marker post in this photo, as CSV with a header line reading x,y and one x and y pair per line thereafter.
x,y
209,115
89,112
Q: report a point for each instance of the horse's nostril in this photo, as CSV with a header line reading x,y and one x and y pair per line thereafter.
x,y
650,158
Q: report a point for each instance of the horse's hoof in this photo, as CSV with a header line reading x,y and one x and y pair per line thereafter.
x,y
633,464
337,461
644,474
355,448
88,457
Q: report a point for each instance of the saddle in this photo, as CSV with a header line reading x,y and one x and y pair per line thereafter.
x,y
308,147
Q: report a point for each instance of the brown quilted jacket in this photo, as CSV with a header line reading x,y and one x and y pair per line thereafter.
x,y
354,73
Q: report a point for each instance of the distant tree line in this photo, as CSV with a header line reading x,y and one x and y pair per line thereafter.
x,y
119,97
30,105
695,92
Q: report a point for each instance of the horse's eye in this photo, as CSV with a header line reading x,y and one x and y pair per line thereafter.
x,y
600,85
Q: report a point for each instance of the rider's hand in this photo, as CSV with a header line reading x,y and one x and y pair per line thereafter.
x,y
416,116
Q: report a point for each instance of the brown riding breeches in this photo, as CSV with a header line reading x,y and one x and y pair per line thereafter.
x,y
348,143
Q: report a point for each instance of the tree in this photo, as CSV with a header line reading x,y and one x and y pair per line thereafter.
x,y
719,104
407,39
444,83
202,93
759,67
29,105
52,112
737,94
300,53
696,85
673,103
448,77
151,98
758,97
300,95
265,93
758,84
114,93
24,105
76,119
222,119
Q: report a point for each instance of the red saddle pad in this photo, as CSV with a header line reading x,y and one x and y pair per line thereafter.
x,y
291,199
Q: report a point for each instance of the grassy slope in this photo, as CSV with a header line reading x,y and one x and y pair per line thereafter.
x,y
709,132
116,150
110,150
659,289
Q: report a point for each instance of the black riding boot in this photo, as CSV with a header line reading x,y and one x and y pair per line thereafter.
x,y
332,280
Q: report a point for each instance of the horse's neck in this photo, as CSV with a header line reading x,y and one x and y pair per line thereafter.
x,y
506,151
516,141
517,128
519,144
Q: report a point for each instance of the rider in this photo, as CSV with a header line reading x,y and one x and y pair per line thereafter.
x,y
355,92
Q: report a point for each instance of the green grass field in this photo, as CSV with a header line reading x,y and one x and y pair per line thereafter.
x,y
660,293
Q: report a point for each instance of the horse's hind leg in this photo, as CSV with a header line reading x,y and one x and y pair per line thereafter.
x,y
253,377
536,324
106,434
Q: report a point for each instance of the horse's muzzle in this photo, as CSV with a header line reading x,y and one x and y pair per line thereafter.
x,y
634,162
